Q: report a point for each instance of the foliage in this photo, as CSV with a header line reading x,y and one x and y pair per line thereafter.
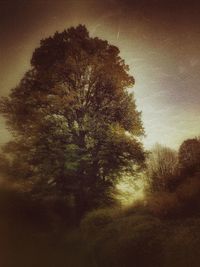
x,y
164,205
108,237
189,156
96,220
162,169
75,125
182,244
144,240
125,241
188,194
174,180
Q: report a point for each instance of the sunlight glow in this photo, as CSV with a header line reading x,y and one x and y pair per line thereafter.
x,y
131,190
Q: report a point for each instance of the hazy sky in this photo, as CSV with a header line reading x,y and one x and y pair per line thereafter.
x,y
160,40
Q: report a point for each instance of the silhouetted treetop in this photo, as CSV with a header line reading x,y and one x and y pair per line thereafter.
x,y
72,52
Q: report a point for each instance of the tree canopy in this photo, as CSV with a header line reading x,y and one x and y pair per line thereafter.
x,y
76,127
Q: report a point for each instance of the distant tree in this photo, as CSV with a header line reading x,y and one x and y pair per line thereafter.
x,y
189,156
162,168
75,125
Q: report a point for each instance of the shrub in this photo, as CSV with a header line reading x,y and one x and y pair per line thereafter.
x,y
188,194
128,241
163,204
182,245
95,220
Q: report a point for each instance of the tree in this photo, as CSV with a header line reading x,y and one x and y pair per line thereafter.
x,y
189,156
75,125
162,168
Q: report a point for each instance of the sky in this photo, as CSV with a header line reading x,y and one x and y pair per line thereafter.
x,y
159,40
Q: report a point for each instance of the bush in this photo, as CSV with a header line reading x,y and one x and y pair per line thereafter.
x,y
188,194
164,204
183,243
95,220
128,241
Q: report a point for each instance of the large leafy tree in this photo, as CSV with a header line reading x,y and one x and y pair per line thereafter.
x,y
75,125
